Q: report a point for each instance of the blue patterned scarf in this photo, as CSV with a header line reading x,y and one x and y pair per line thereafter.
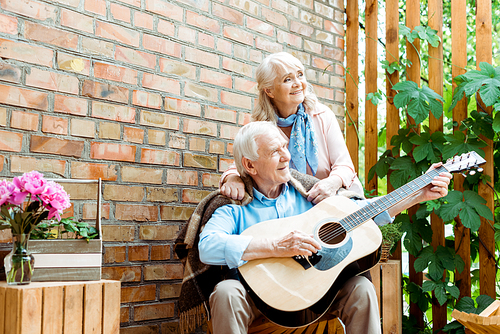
x,y
302,145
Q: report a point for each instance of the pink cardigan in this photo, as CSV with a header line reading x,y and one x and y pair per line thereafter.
x,y
333,156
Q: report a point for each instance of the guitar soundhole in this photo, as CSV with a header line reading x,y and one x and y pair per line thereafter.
x,y
332,233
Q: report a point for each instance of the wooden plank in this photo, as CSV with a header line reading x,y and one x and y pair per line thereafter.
x,y
65,246
92,309
371,76
375,273
2,309
52,321
111,307
31,311
459,63
391,297
13,311
73,308
87,260
352,81
487,271
66,274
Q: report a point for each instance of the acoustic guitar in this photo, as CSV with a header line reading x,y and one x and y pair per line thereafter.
x,y
294,292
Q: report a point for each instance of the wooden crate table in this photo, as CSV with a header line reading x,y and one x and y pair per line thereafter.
x,y
90,307
487,322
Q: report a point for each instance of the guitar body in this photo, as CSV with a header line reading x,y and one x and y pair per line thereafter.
x,y
296,292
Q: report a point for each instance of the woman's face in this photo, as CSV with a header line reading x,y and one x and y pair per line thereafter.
x,y
288,90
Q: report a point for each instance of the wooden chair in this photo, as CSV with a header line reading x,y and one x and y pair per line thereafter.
x,y
487,322
326,325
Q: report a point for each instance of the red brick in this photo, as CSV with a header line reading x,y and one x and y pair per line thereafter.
x,y
135,57
117,33
71,3
134,294
73,63
81,191
40,33
286,7
55,125
185,177
93,171
9,72
220,114
260,26
115,73
163,272
123,274
154,311
3,116
244,118
9,24
161,83
302,29
177,141
236,100
133,135
114,254
134,3
187,34
156,137
291,39
216,147
199,161
160,252
98,47
324,37
146,99
203,22
194,195
122,233
159,157
125,315
90,211
166,28
336,28
113,112
267,45
119,12
238,35
312,47
200,127
224,46
158,194
11,141
141,175
183,106
109,130
2,158
206,40
138,253
104,91
123,193
174,67
197,144
34,9
143,20
245,85
224,164
96,6
199,4
227,13
26,164
143,213
77,21
70,105
210,180
228,131
109,151
52,81
165,9
216,78
236,66
25,52
51,145
201,92
161,45
201,57
24,121
160,120
82,128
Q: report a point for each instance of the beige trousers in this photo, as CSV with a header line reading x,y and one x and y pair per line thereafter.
x,y
356,305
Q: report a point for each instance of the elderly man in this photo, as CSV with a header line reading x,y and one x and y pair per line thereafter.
x,y
260,151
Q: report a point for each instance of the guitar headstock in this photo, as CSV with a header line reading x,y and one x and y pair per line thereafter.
x,y
465,162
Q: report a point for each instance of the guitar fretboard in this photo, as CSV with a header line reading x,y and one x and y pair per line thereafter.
x,y
357,218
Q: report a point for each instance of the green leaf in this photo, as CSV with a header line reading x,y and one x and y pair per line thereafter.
x,y
375,98
418,101
453,291
496,121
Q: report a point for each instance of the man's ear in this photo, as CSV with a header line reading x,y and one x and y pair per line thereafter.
x,y
249,166
269,93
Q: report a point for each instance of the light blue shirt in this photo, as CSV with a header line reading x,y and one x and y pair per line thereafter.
x,y
220,241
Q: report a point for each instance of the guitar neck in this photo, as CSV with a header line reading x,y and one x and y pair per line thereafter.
x,y
357,218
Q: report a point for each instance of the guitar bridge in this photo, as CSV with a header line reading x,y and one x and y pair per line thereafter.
x,y
307,262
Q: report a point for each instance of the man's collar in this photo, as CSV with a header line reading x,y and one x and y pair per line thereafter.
x,y
261,197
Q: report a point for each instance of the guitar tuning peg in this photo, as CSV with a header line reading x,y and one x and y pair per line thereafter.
x,y
472,172
463,174
480,170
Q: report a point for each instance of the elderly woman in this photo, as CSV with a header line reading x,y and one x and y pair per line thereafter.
x,y
315,140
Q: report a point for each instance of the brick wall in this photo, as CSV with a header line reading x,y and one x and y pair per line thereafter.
x,y
147,95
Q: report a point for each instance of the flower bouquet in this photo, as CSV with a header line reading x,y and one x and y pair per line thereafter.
x,y
24,203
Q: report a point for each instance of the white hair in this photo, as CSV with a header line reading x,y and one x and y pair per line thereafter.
x,y
265,75
245,142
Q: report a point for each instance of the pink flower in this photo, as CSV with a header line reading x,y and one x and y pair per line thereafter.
x,y
32,182
6,190
55,199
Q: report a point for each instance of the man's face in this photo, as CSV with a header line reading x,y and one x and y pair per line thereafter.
x,y
271,169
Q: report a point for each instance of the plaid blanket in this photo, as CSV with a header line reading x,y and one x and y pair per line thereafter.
x,y
200,279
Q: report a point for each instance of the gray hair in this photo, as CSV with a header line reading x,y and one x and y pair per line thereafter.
x,y
266,74
245,142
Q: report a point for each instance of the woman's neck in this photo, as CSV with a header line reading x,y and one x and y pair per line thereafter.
x,y
285,112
